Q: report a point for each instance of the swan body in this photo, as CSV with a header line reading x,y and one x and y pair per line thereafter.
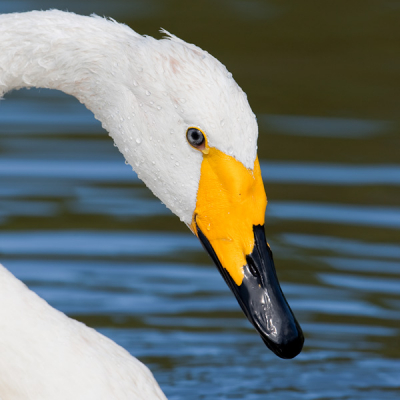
x,y
45,355
148,94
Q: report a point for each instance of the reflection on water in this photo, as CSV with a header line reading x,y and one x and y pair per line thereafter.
x,y
330,174
26,115
323,127
340,214
82,231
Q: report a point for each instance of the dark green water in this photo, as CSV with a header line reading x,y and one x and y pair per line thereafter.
x,y
79,228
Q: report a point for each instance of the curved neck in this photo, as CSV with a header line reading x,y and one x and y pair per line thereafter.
x,y
134,85
63,51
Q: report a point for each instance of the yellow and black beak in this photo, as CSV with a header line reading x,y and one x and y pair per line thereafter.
x,y
261,298
229,221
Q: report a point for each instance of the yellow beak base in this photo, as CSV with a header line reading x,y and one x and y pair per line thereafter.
x,y
230,201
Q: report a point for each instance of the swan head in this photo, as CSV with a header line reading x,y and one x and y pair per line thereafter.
x,y
187,129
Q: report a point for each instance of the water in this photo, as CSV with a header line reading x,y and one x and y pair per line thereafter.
x,y
82,231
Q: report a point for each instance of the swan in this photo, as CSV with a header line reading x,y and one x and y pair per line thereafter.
x,y
186,128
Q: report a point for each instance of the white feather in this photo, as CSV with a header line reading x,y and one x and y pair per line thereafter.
x,y
44,355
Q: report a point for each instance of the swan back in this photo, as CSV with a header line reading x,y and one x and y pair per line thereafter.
x,y
46,355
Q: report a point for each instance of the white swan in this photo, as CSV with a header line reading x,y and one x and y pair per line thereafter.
x,y
187,129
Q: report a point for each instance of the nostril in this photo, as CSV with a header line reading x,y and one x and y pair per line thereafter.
x,y
253,268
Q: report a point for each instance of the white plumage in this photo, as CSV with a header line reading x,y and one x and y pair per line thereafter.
x,y
146,93
44,355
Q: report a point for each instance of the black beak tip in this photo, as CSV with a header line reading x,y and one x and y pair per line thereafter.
x,y
261,298
288,346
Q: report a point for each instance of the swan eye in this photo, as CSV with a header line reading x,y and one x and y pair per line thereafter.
x,y
196,138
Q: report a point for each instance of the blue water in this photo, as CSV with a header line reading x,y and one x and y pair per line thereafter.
x,y
80,229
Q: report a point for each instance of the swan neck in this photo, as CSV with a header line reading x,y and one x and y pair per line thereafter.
x,y
63,51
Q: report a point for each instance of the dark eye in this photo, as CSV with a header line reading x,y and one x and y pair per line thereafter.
x,y
195,137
